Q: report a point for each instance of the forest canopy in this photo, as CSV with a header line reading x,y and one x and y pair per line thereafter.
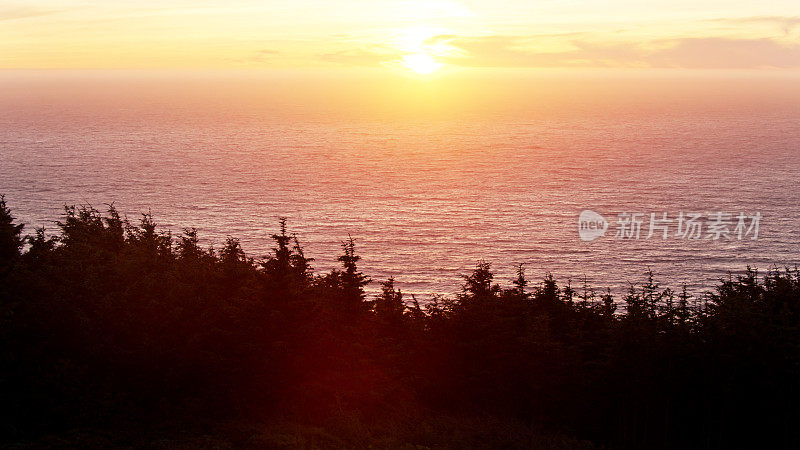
x,y
110,324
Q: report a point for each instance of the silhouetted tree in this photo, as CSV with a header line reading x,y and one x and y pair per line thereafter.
x,y
11,239
389,306
112,324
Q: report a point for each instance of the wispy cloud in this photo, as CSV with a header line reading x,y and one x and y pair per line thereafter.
x,y
263,55
694,53
21,12
527,51
720,53
360,56
786,24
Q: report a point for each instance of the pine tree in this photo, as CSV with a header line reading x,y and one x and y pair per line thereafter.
x,y
11,239
352,281
389,306
520,282
287,271
478,285
608,304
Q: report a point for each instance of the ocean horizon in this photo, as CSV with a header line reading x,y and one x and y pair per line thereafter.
x,y
426,188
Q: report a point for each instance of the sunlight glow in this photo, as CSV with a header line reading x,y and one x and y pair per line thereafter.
x,y
357,34
421,63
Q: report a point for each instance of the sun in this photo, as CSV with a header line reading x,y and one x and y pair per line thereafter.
x,y
421,63
422,48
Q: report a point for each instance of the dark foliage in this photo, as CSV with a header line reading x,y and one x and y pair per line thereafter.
x,y
108,324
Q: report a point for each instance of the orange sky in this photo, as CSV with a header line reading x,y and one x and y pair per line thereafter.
x,y
421,36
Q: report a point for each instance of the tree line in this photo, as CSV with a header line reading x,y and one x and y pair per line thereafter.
x,y
109,322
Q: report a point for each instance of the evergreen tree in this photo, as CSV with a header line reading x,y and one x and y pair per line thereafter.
x,y
11,239
352,281
389,306
521,282
478,285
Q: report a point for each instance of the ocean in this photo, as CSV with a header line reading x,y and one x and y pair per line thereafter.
x,y
428,177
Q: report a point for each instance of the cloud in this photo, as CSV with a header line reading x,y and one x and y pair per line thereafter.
x,y
528,51
360,56
257,56
263,55
21,12
720,53
694,53
585,49
787,24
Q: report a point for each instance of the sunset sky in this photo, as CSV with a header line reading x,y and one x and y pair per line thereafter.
x,y
422,35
